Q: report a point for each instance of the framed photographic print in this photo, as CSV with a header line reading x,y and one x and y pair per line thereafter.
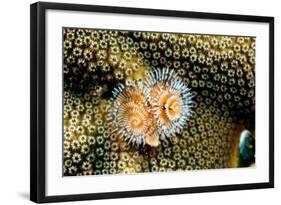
x,y
129,102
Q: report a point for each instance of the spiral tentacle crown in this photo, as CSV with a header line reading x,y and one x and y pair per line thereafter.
x,y
170,100
132,119
158,110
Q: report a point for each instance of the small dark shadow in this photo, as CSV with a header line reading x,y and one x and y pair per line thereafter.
x,y
24,195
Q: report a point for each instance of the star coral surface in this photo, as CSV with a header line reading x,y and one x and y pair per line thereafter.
x,y
121,116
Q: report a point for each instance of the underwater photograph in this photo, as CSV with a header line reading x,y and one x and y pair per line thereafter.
x,y
141,102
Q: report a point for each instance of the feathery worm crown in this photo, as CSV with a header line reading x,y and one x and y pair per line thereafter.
x,y
131,117
159,109
170,101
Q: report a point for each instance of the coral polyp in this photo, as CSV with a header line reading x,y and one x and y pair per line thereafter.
x,y
170,100
132,120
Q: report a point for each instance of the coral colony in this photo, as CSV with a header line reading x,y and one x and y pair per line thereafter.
x,y
139,102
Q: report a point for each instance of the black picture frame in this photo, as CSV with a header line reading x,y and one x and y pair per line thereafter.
x,y
38,101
